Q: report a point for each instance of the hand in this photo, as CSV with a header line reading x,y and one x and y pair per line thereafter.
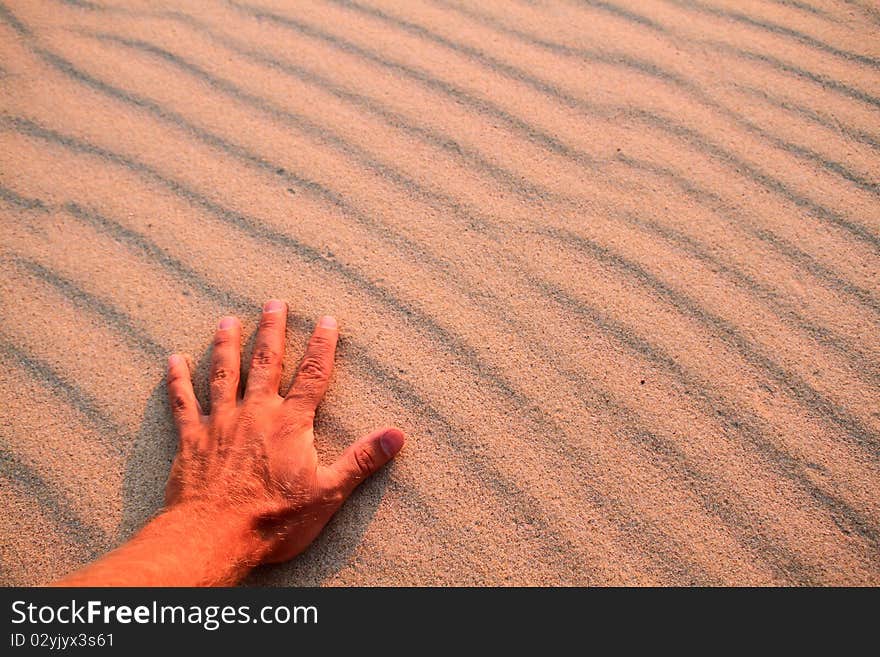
x,y
245,487
252,459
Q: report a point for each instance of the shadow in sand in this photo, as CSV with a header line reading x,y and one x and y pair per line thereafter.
x,y
150,461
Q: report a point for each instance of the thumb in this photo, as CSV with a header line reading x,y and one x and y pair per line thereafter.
x,y
362,459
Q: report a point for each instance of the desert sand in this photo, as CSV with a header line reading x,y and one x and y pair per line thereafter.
x,y
612,265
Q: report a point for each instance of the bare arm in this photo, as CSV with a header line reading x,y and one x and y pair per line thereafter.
x,y
246,486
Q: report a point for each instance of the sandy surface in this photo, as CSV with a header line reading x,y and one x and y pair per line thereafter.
x,y
613,265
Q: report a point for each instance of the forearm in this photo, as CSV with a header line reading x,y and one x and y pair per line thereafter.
x,y
182,546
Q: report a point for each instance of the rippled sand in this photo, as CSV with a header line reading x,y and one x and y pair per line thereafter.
x,y
613,265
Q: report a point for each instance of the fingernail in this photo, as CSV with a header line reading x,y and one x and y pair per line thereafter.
x,y
273,306
392,442
174,360
328,322
227,323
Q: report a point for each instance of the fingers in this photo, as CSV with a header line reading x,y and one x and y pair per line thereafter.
x,y
225,365
265,373
361,459
313,375
184,406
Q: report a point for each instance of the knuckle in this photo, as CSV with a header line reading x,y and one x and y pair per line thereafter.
x,y
320,343
179,404
222,338
272,321
366,464
313,367
265,356
222,375
247,421
175,375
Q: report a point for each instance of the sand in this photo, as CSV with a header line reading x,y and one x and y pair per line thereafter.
x,y
613,266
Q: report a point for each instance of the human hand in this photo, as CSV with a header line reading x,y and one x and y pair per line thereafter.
x,y
251,461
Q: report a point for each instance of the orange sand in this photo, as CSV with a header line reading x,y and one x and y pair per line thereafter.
x,y
612,265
